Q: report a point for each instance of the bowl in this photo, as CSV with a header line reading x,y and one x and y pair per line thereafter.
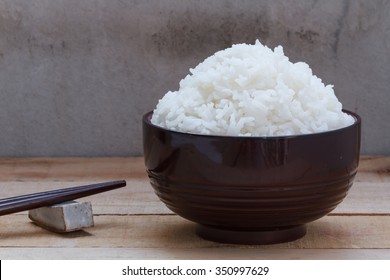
x,y
251,190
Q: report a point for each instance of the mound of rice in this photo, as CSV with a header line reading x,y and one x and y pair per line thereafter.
x,y
250,90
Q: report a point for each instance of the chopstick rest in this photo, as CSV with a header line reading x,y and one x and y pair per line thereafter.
x,y
56,210
63,217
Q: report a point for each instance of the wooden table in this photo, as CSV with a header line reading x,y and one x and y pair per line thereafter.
x,y
131,223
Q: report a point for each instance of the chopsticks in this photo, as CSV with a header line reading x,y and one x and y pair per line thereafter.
x,y
37,200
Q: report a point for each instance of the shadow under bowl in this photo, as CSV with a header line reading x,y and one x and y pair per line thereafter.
x,y
251,190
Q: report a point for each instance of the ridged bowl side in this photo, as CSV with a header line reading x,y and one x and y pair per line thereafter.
x,y
252,208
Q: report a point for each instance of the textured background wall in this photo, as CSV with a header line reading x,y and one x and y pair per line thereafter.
x,y
76,76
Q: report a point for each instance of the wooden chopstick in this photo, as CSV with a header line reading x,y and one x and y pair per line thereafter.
x,y
36,200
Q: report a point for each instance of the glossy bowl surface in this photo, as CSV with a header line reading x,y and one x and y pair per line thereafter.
x,y
251,190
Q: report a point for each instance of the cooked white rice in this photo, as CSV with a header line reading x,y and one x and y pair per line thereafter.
x,y
250,90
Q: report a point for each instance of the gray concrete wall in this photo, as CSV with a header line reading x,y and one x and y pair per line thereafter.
x,y
76,76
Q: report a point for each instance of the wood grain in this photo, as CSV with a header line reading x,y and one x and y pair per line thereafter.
x,y
171,231
132,223
221,253
71,169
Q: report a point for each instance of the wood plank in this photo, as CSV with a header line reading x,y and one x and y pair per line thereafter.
x,y
377,164
171,231
138,197
366,198
224,253
71,169
371,169
131,222
374,169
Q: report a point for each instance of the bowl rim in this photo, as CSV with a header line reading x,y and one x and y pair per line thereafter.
x,y
146,119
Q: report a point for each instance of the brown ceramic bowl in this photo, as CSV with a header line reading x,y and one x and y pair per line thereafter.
x,y
251,190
